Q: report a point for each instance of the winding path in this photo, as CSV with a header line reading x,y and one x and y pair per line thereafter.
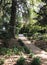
x,y
37,51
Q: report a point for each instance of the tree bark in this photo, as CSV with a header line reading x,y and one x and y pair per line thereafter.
x,y
12,18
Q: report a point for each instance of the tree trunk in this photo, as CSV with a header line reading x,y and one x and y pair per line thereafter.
x,y
12,19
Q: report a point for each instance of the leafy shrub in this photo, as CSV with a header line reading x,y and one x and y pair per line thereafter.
x,y
4,51
36,61
31,55
25,34
26,50
18,27
17,30
20,42
16,50
1,61
9,52
21,61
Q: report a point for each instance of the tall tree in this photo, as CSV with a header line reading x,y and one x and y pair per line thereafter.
x,y
20,6
12,19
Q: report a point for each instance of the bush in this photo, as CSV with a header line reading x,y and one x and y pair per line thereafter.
x,y
21,61
1,61
4,51
36,61
26,50
16,50
31,55
9,52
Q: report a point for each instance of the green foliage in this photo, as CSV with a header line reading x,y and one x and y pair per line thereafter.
x,y
42,18
2,51
1,61
18,27
9,52
5,35
37,36
25,49
34,21
5,9
36,61
21,61
5,51
31,55
16,50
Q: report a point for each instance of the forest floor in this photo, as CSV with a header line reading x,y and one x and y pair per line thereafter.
x,y
11,60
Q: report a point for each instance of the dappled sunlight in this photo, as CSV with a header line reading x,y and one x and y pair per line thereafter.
x,y
38,52
23,32
45,62
42,55
28,44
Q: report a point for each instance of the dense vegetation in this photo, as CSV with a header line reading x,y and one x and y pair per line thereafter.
x,y
28,17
